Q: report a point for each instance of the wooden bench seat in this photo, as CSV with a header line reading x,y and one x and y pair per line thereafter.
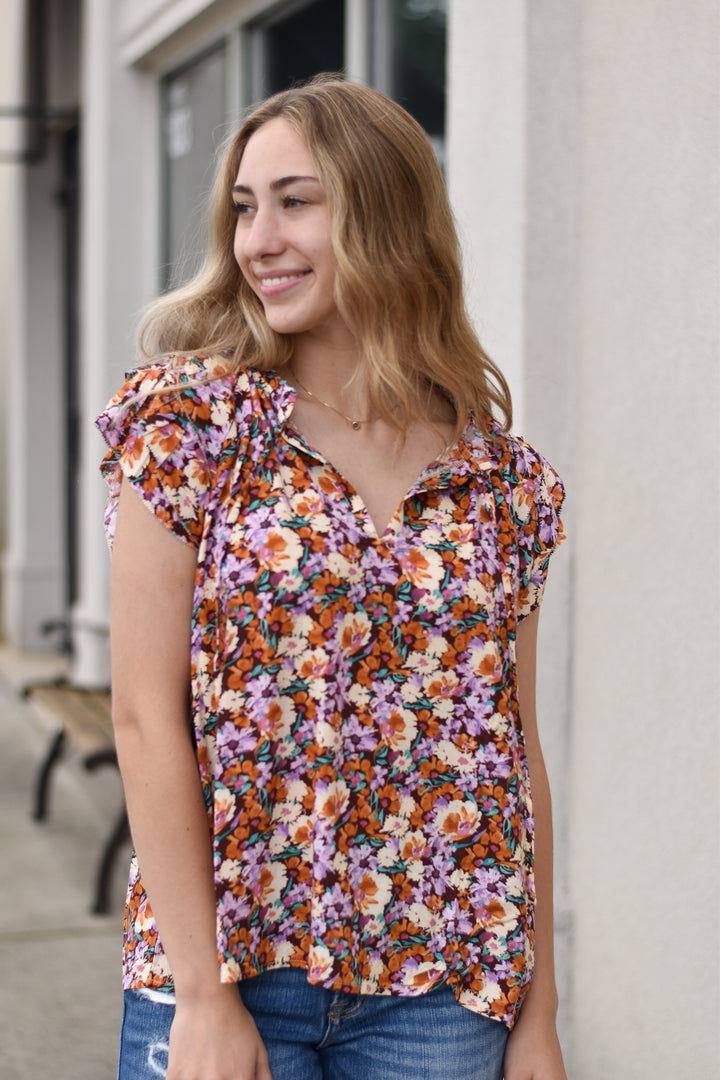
x,y
80,718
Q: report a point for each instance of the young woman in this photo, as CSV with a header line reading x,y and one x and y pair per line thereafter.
x,y
324,636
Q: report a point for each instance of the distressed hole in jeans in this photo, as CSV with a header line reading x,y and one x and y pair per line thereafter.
x,y
158,1058
159,997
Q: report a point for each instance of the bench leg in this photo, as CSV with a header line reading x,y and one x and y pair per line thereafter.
x,y
100,757
119,836
42,783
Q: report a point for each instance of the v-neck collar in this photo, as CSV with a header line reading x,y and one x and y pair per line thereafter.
x,y
467,455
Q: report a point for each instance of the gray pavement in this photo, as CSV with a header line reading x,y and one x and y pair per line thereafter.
x,y
60,997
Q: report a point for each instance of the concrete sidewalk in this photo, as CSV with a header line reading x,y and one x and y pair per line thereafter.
x,y
60,997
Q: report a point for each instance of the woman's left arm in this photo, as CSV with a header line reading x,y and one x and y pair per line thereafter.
x,y
533,1050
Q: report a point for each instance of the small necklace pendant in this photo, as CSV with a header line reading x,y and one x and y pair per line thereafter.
x,y
355,425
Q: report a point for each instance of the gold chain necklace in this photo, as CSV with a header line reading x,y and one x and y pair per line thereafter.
x,y
354,424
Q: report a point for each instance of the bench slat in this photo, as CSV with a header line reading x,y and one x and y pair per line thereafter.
x,y
83,714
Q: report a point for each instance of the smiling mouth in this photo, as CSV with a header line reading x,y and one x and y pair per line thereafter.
x,y
279,280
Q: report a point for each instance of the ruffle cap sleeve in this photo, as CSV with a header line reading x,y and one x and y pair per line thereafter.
x,y
159,431
536,499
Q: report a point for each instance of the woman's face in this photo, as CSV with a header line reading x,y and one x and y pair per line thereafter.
x,y
282,237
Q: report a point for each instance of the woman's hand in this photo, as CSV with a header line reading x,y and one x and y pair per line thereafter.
x,y
215,1038
533,1051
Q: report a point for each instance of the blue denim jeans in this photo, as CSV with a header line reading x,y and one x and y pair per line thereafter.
x,y
316,1034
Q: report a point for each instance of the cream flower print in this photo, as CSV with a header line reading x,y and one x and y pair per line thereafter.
x,y
424,976
224,806
319,963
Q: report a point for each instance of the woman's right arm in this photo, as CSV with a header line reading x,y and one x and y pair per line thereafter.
x,y
213,1036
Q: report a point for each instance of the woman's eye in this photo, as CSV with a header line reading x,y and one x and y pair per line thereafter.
x,y
241,208
291,201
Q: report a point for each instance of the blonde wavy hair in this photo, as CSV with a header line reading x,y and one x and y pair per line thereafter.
x,y
398,286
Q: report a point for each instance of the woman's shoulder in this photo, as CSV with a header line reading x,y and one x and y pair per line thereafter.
x,y
205,376
206,398
516,459
179,377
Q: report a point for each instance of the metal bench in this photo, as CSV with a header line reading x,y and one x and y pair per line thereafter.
x,y
81,718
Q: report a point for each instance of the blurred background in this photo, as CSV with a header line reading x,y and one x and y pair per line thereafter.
x,y
580,142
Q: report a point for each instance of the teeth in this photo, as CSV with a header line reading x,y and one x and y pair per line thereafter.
x,y
280,280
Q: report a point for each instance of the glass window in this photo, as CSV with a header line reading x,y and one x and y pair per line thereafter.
x,y
408,59
397,45
300,41
193,112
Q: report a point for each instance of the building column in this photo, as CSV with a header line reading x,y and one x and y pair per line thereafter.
x,y
33,592
486,66
119,271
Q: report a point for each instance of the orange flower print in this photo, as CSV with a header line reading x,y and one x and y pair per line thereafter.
x,y
135,457
486,660
333,800
307,503
313,665
459,533
524,496
424,568
458,820
198,476
354,632
415,846
270,883
277,719
280,549
372,893
302,832
442,686
144,915
163,439
399,728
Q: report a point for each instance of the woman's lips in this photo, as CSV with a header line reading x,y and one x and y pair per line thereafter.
x,y
283,281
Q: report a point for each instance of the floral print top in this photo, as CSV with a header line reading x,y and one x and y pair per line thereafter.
x,y
353,696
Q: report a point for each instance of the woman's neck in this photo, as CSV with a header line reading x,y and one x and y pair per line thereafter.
x,y
331,372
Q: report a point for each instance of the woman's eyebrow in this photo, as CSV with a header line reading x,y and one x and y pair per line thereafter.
x,y
276,185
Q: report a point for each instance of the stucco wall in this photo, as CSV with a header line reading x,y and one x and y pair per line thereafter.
x,y
645,764
615,281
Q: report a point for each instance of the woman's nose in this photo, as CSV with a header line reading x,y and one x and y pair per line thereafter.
x,y
264,236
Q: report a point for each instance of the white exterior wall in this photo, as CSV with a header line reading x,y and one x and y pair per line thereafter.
x,y
645,758
614,278
510,223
